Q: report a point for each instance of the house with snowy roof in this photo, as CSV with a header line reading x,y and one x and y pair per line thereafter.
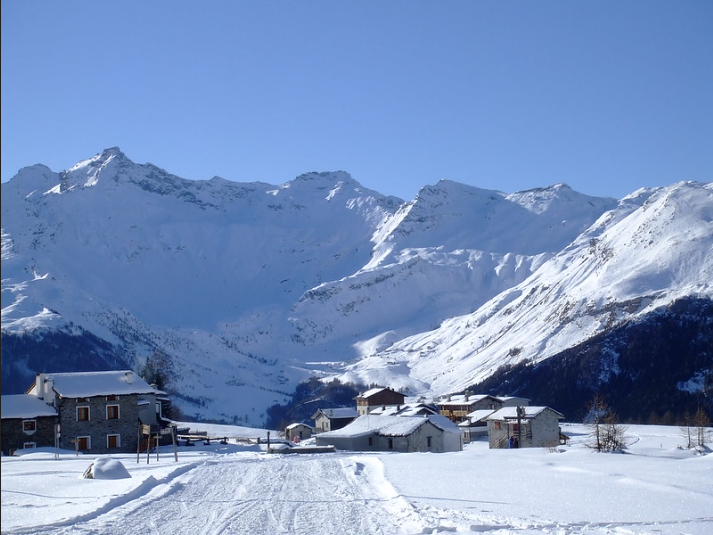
x,y
332,419
433,433
475,425
27,422
456,407
298,432
97,412
378,397
513,401
524,427
407,409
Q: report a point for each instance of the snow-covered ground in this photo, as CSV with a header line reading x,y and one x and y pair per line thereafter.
x,y
657,487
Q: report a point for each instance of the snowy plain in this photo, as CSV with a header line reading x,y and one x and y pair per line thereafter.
x,y
655,487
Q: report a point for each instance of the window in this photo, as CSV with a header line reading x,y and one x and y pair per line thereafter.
x,y
371,441
29,426
82,414
28,445
112,412
113,441
82,400
112,398
83,443
391,443
428,442
497,425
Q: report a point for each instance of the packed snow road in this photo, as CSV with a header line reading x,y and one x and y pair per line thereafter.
x,y
263,494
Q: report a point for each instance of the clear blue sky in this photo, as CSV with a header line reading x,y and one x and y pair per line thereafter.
x,y
607,96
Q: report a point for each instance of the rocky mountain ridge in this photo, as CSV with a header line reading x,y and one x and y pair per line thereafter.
x,y
246,289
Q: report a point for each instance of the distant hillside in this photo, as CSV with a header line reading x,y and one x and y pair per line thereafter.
x,y
654,370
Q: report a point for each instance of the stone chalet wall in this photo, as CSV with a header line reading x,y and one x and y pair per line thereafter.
x,y
14,438
545,430
497,433
416,441
321,423
98,426
301,431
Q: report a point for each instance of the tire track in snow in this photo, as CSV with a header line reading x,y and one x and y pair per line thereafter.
x,y
320,494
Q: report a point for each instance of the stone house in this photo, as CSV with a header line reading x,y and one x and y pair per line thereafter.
x,y
475,425
524,427
27,422
99,412
457,407
434,433
513,401
332,419
378,397
407,409
298,432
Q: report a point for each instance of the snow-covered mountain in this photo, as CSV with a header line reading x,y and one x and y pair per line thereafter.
x,y
245,289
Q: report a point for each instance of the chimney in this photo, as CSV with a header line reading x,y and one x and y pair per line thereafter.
x,y
40,380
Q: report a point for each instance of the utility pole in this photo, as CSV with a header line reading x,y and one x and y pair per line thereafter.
x,y
173,438
520,416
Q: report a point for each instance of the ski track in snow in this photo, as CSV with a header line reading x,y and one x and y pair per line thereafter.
x,y
336,494
295,494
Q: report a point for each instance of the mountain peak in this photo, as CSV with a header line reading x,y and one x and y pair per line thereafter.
x,y
86,173
324,179
112,152
561,185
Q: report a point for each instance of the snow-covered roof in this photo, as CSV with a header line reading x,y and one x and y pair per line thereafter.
x,y
339,412
510,413
409,409
25,406
371,392
89,384
443,423
476,416
462,399
505,399
292,426
393,426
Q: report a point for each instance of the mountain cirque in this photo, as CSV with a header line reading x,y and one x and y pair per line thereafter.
x,y
244,289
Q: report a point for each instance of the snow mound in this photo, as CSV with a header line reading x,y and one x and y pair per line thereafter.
x,y
106,468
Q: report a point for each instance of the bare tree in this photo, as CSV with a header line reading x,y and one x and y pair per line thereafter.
x,y
613,438
596,408
688,430
702,424
696,430
607,433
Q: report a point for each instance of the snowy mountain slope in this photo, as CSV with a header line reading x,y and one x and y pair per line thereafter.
x,y
206,249
655,247
249,288
445,254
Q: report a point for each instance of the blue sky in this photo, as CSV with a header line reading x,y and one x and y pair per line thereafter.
x,y
607,96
